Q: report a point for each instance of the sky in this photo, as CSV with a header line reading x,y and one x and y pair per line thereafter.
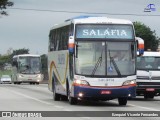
x,y
29,21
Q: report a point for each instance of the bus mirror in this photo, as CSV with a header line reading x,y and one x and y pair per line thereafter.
x,y
14,63
140,46
71,44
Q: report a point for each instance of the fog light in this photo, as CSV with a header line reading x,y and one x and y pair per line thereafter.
x,y
80,94
129,95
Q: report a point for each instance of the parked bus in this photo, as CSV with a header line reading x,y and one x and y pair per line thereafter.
x,y
92,58
148,74
26,69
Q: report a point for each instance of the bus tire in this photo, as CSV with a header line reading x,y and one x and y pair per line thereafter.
x,y
72,100
56,97
122,101
37,83
18,83
151,96
64,98
146,96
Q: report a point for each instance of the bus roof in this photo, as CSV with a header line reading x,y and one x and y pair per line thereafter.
x,y
150,53
26,55
102,20
92,20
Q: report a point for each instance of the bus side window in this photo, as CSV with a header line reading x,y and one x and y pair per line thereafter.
x,y
66,37
52,41
157,63
15,63
71,66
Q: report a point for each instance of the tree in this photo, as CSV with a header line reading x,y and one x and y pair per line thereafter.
x,y
149,36
3,5
8,58
44,61
4,59
18,52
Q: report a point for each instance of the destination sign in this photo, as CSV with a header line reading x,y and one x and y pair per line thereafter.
x,y
104,31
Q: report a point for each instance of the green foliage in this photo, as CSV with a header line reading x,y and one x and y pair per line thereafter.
x,y
8,58
5,72
149,36
3,5
4,59
20,51
44,61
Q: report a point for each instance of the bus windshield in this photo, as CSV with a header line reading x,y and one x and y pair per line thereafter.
x,y
29,65
148,63
105,58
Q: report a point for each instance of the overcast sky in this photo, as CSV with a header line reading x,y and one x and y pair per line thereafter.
x,y
29,28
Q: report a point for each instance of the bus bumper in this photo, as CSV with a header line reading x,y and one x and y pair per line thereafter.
x,y
148,87
100,93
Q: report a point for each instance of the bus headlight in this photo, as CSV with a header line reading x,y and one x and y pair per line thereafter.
x,y
38,76
130,82
20,76
80,83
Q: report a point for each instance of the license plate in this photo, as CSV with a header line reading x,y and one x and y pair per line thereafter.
x,y
29,79
106,92
150,89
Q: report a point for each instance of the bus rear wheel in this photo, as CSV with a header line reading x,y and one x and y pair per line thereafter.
x,y
122,101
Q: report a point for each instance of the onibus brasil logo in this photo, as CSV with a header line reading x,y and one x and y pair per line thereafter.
x,y
150,8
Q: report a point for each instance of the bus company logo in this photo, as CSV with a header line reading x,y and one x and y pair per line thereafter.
x,y
150,8
6,114
20,114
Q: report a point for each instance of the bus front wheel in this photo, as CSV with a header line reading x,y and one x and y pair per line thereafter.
x,y
72,100
146,96
122,101
56,97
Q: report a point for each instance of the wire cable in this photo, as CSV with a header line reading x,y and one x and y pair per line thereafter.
x,y
64,11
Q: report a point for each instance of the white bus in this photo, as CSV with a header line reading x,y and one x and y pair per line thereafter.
x,y
148,74
92,58
27,69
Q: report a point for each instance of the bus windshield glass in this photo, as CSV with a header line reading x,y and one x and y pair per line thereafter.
x,y
105,58
148,63
29,65
104,31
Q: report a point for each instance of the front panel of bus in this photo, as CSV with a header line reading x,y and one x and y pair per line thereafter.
x,y
104,60
29,69
148,74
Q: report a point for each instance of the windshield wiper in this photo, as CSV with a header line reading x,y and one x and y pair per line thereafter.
x,y
97,63
114,64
